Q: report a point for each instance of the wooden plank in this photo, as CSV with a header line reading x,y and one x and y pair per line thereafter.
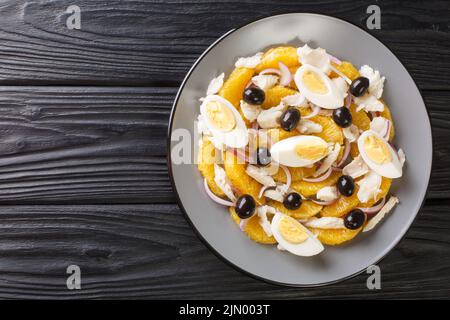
x,y
149,251
36,47
106,145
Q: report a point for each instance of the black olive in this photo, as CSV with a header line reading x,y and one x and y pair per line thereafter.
x,y
254,95
354,219
342,117
359,86
292,201
263,157
346,185
289,119
245,206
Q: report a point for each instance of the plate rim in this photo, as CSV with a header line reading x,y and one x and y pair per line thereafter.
x,y
392,246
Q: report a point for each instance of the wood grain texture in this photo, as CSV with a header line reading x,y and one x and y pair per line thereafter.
x,y
155,42
108,145
149,251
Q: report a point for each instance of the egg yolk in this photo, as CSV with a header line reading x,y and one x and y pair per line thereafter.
x,y
314,83
311,150
377,150
292,231
220,116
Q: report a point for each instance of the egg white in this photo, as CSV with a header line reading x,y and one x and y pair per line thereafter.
x,y
309,247
333,99
392,169
236,138
284,152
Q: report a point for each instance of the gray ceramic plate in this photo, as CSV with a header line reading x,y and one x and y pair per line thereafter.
x,y
413,133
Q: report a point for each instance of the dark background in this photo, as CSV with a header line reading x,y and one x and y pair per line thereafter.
x,y
83,175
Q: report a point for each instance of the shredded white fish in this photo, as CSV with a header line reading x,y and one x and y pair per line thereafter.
x,y
342,85
388,206
351,133
260,175
329,160
369,187
220,178
316,57
307,126
329,193
356,168
262,212
215,85
249,62
270,118
368,103
376,82
401,156
265,81
326,223
295,100
380,125
250,111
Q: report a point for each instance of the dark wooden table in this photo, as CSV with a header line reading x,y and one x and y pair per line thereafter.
x,y
83,175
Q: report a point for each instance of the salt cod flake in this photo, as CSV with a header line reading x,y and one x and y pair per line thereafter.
x,y
215,85
389,205
249,62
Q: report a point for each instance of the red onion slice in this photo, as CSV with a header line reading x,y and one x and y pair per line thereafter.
x,y
286,76
388,131
348,100
216,198
271,70
373,210
315,112
321,178
343,76
345,154
335,60
288,177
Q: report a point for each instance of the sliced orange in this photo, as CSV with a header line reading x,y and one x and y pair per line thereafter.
x,y
347,69
311,188
286,55
297,174
342,206
234,86
307,210
239,178
253,229
206,159
354,151
334,237
331,132
360,118
275,94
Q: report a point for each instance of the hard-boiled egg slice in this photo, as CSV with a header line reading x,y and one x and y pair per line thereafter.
x,y
378,154
224,121
317,88
299,151
294,237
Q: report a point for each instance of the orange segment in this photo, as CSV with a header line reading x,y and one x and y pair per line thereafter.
x,y
334,237
341,207
239,179
253,229
307,210
234,86
347,69
277,134
206,159
331,132
286,55
275,94
360,118
297,174
311,188
354,151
